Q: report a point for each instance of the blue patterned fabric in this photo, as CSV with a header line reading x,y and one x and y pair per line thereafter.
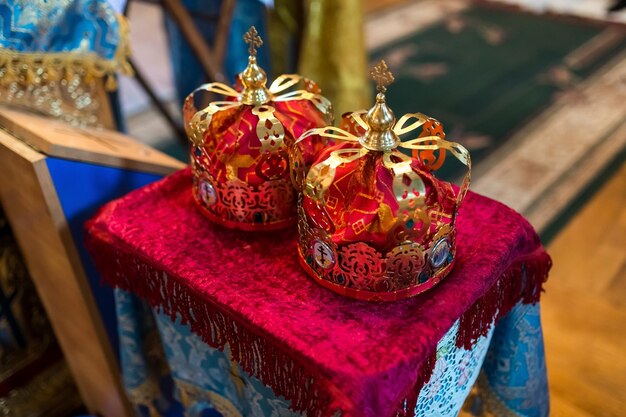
x,y
208,383
515,367
178,374
54,55
82,26
208,379
454,375
145,373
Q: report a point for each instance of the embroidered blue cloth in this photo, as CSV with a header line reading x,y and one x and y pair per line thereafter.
x,y
56,56
81,26
169,371
515,367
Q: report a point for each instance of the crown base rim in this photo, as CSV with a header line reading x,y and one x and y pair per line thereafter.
x,y
376,296
243,226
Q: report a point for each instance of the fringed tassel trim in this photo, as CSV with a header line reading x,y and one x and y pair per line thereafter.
x,y
34,67
255,354
409,403
522,281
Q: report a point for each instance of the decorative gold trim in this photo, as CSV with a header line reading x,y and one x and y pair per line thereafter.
x,y
197,121
405,267
314,183
380,135
358,266
237,202
33,67
255,93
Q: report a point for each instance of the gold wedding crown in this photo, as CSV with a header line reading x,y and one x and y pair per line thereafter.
x,y
375,223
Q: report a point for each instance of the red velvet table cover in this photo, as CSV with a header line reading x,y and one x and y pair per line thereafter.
x,y
323,352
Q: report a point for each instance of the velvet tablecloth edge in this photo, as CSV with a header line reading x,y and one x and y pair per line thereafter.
x,y
216,326
286,372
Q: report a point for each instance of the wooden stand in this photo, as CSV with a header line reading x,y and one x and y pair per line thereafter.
x,y
29,194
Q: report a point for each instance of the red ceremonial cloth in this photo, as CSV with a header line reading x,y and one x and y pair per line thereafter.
x,y
321,351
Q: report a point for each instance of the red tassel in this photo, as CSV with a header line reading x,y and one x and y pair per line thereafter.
x,y
425,371
255,355
522,281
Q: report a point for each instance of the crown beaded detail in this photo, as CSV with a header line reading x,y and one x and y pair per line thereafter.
x,y
239,146
374,223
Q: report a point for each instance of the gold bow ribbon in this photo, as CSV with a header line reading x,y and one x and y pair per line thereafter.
x,y
197,121
320,177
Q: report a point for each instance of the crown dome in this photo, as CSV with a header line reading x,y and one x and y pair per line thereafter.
x,y
239,145
375,223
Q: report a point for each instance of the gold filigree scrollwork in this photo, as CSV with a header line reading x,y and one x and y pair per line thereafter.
x,y
271,133
322,175
401,125
195,121
235,200
284,82
269,130
361,265
304,230
444,230
316,185
200,121
189,106
275,194
403,265
319,101
405,179
311,93
382,134
297,169
418,251
408,187
357,116
457,150
432,159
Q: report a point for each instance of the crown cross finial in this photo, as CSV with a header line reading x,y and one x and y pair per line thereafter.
x,y
253,40
382,75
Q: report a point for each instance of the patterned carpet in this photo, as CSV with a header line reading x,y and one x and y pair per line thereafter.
x,y
537,98
534,97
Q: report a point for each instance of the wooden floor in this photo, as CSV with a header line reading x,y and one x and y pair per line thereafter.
x,y
584,308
